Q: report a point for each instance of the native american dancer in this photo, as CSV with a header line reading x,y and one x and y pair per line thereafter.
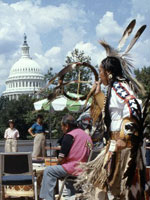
x,y
119,169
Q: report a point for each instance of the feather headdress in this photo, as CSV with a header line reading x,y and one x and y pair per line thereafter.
x,y
123,56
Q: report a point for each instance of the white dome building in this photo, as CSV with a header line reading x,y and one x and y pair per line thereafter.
x,y
25,76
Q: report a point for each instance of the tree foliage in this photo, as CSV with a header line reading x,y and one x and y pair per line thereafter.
x,y
143,76
16,110
50,74
84,72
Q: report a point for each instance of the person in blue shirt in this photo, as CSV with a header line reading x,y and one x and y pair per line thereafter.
x,y
37,131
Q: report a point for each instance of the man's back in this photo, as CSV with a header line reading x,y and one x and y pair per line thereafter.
x,y
79,151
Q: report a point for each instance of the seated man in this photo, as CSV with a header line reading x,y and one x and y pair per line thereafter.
x,y
75,148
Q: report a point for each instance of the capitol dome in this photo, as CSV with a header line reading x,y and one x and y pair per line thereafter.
x,y
24,66
25,76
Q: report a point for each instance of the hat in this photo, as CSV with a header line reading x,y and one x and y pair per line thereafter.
x,y
11,121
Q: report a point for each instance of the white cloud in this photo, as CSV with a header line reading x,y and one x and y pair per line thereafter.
x,y
108,28
36,21
71,36
97,54
139,58
51,58
88,47
4,70
54,51
50,17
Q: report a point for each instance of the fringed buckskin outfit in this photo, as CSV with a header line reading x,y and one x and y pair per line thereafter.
x,y
118,172
123,166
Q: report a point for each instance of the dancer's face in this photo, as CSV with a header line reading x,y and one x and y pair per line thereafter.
x,y
103,75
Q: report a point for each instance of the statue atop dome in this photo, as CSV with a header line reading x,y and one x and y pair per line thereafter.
x,y
25,39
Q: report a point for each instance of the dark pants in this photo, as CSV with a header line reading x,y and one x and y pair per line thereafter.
x,y
147,157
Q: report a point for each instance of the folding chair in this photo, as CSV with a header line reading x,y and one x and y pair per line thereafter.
x,y
16,170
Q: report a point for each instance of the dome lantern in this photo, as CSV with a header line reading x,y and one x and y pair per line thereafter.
x,y
25,48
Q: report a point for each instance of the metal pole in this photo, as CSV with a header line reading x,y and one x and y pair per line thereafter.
x,y
50,131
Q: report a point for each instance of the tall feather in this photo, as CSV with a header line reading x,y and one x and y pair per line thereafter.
x,y
110,51
126,34
135,38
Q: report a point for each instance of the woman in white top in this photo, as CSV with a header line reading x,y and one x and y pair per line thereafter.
x,y
11,134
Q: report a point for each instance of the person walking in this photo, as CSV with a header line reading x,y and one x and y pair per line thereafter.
x,y
37,131
11,135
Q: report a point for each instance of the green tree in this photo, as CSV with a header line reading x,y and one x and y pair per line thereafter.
x,y
15,109
50,74
143,76
84,72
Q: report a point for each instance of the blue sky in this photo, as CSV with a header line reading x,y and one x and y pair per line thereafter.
x,y
55,27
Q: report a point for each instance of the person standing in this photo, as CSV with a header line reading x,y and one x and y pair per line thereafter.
x,y
119,167
37,131
11,134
